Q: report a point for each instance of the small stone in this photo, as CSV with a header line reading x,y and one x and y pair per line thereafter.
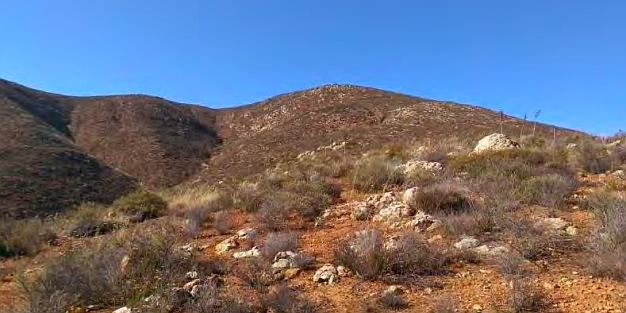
x,y
571,230
549,286
394,290
467,243
327,273
281,264
247,233
343,271
123,310
477,308
226,245
291,273
192,275
252,253
188,286
435,238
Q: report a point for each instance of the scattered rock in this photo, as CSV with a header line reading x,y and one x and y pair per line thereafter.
x,y
409,195
252,253
281,264
495,142
421,222
414,165
571,231
124,263
247,233
435,238
327,273
467,243
614,144
619,173
492,251
343,271
226,245
123,310
477,308
553,223
361,212
290,273
192,275
188,286
394,290
393,213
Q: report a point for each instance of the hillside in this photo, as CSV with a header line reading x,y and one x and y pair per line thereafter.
x,y
60,150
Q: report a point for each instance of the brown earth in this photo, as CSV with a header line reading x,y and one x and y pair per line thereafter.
x,y
57,151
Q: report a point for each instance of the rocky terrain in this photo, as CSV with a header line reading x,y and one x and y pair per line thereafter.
x,y
58,151
493,225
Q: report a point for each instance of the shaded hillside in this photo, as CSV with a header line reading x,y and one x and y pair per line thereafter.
x,y
41,170
261,134
57,151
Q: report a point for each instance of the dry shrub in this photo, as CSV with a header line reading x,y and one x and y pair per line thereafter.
x,y
474,222
524,297
375,172
24,237
140,205
533,242
285,300
222,222
592,156
248,196
607,247
88,220
278,242
274,213
442,198
113,272
254,273
366,255
310,198
512,264
202,197
393,301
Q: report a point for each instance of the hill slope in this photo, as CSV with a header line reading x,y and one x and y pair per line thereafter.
x,y
56,151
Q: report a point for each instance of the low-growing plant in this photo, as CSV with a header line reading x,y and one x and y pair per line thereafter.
x,y
140,205
375,172
444,304
255,274
408,257
222,222
393,301
524,297
591,156
274,213
442,198
278,242
607,248
248,197
24,237
285,300
547,190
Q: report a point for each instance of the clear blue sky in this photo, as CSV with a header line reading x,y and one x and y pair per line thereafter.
x,y
565,57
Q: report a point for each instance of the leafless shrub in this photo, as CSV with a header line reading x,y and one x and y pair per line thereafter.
x,y
512,264
408,257
393,301
524,297
474,222
222,222
303,261
278,242
255,274
592,157
532,241
274,213
248,197
607,247
547,190
286,300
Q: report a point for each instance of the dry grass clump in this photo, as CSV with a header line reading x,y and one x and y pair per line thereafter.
x,y
24,237
89,220
608,245
548,190
525,297
140,205
113,271
254,273
248,196
222,222
410,256
444,304
442,198
441,150
376,172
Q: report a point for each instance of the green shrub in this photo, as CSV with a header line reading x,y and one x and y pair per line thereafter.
x,y
592,157
547,190
608,245
140,205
